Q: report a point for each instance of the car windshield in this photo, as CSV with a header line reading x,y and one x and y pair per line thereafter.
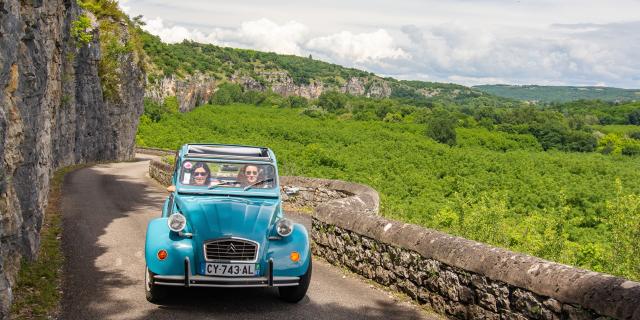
x,y
227,175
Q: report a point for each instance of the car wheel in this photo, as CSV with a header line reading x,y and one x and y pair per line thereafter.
x,y
296,293
154,293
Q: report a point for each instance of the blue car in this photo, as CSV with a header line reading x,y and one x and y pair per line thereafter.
x,y
222,226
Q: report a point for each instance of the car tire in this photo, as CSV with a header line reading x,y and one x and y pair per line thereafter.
x,y
296,293
154,293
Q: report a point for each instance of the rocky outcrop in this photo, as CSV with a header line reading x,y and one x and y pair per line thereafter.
x,y
52,114
191,91
195,90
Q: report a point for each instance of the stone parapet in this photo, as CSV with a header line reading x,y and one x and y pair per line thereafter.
x,y
155,151
161,172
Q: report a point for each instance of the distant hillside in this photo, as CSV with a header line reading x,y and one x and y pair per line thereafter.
x,y
191,71
560,93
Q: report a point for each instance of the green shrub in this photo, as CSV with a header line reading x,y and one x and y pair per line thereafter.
x,y
80,30
332,101
441,127
227,93
297,102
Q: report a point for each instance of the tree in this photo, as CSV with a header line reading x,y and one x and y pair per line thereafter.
x,y
297,102
393,117
580,141
634,117
332,101
227,93
442,127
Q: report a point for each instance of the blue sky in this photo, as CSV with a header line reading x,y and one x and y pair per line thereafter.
x,y
545,42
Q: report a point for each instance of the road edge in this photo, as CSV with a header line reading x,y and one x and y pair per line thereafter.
x,y
38,291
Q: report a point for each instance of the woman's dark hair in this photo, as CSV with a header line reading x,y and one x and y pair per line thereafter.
x,y
203,166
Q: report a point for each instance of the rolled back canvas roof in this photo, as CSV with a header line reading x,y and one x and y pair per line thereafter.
x,y
227,152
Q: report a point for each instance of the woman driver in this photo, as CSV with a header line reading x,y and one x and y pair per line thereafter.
x,y
200,174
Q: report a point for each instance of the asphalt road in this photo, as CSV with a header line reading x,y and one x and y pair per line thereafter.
x,y
106,209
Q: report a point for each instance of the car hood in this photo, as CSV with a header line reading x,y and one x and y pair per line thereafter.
x,y
212,217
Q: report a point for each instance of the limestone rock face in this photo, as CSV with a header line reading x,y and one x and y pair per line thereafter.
x,y
195,90
52,114
191,91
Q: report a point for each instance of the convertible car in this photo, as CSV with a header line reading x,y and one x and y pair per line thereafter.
x,y
222,226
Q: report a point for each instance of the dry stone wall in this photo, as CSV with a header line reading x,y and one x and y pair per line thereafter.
x,y
52,114
456,277
161,172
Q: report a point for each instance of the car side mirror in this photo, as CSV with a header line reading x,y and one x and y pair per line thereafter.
x,y
171,188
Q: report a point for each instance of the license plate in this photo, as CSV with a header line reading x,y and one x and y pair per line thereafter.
x,y
230,269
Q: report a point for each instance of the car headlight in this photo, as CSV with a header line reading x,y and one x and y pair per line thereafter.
x,y
177,222
284,227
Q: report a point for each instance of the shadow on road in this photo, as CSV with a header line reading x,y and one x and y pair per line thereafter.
x,y
265,304
92,201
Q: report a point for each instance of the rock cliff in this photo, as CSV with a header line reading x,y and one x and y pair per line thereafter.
x,y
194,90
53,113
191,91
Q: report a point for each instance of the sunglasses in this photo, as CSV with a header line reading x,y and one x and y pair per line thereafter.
x,y
199,174
251,173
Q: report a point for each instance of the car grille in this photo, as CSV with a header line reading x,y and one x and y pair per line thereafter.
x,y
231,249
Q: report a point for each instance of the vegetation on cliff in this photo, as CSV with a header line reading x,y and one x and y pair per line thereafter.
x,y
189,57
115,43
495,186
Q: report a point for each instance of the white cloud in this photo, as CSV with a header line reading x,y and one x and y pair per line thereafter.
x,y
266,35
289,38
461,41
124,6
582,54
359,48
262,34
173,34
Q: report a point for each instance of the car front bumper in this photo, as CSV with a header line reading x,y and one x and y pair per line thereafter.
x,y
189,280
208,281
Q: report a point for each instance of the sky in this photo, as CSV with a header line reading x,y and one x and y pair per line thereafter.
x,y
470,42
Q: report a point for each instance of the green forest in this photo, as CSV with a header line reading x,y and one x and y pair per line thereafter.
x,y
550,94
557,183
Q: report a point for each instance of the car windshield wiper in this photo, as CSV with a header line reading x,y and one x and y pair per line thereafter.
x,y
257,183
221,184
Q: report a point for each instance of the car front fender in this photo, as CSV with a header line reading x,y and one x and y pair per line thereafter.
x,y
159,237
280,251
